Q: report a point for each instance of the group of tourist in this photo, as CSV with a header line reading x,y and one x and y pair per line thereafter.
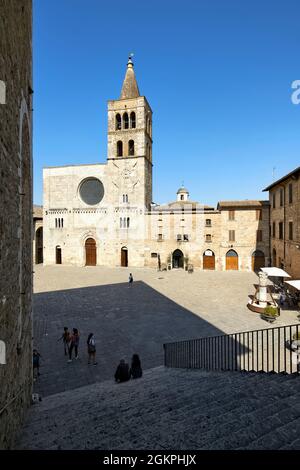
x,y
71,343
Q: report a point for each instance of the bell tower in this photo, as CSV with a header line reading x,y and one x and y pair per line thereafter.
x,y
129,148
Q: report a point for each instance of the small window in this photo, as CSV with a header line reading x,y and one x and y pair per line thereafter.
x,y
258,214
208,237
119,148
181,197
128,222
290,193
259,235
208,222
232,235
178,237
185,237
118,122
131,147
290,230
62,223
132,120
274,200
56,223
125,121
160,236
153,255
281,197
231,215
274,230
281,230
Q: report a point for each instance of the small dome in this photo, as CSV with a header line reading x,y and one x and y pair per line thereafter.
x,y
182,190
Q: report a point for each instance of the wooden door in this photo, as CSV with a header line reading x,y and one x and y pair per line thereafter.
x,y
258,262
209,262
124,258
232,261
90,252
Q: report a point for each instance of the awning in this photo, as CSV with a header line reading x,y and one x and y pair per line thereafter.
x,y
295,284
275,272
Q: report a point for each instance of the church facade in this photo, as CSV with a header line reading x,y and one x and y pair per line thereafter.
x,y
103,214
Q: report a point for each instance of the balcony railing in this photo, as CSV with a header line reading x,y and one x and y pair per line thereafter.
x,y
268,350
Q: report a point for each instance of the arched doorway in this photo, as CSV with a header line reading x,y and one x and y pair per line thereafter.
x,y
208,259
232,261
258,260
274,259
124,257
58,257
177,259
39,245
90,252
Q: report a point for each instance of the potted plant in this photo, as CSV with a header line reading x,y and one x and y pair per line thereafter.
x,y
270,313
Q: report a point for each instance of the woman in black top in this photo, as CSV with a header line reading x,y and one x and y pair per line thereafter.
x,y
136,368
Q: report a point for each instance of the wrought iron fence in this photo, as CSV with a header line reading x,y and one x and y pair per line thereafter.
x,y
268,350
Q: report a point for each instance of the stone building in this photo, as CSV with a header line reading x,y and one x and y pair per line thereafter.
x,y
15,215
284,195
103,213
37,246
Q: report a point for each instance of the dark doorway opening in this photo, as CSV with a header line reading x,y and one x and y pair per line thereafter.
x,y
177,259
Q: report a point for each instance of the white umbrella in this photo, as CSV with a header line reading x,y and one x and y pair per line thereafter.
x,y
295,284
275,272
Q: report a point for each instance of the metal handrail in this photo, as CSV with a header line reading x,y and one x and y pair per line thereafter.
x,y
267,350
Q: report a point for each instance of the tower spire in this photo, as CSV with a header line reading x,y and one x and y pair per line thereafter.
x,y
130,87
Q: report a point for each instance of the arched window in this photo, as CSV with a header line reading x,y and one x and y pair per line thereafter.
x,y
119,148
128,222
118,122
125,121
131,147
132,120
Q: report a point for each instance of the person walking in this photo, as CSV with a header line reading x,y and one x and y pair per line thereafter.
x,y
130,279
36,363
74,343
136,368
91,344
65,338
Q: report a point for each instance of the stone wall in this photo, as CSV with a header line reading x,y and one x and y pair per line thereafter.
x,y
15,215
287,251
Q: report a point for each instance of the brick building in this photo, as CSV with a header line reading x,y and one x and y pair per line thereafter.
x,y
15,215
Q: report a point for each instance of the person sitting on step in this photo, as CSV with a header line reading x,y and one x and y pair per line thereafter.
x,y
122,372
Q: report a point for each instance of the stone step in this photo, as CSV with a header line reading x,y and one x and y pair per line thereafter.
x,y
170,409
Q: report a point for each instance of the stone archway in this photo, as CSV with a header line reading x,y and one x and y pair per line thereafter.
x,y
258,260
177,259
90,252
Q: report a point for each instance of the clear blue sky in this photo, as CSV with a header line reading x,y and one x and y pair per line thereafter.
x,y
217,74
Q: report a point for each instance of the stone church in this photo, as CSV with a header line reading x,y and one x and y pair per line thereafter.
x,y
103,214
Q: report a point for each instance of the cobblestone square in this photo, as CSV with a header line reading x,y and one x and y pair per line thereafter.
x,y
159,307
